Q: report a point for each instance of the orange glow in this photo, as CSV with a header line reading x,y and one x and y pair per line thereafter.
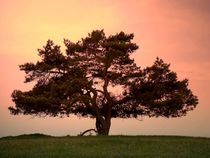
x,y
176,31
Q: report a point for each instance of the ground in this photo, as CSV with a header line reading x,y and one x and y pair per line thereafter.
x,y
37,145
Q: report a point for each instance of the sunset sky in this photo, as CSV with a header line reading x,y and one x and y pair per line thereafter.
x,y
178,31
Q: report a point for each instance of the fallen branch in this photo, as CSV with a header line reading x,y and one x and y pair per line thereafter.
x,y
88,130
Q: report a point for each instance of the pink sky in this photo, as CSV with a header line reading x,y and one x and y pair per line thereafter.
x,y
176,31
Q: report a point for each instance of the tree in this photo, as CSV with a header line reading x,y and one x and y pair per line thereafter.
x,y
82,82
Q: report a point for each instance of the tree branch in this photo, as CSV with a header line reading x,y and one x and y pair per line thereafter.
x,y
86,131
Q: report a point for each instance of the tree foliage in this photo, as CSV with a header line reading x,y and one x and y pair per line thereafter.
x,y
82,82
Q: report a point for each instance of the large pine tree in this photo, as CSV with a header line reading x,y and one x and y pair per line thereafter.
x,y
82,82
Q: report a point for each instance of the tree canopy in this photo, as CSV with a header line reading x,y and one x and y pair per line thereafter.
x,y
82,80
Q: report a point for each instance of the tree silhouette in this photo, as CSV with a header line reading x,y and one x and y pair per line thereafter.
x,y
83,82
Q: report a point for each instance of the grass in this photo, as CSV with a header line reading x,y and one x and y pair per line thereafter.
x,y
38,145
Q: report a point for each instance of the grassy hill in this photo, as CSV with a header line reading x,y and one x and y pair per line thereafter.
x,y
39,146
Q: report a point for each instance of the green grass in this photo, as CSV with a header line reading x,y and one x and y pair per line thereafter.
x,y
39,146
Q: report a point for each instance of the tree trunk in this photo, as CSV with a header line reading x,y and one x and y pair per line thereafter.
x,y
103,126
